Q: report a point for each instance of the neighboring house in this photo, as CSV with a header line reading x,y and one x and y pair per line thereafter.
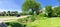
x,y
42,10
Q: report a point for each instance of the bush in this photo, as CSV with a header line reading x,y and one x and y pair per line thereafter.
x,y
23,20
14,24
32,18
41,15
28,19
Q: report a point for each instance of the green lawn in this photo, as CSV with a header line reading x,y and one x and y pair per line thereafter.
x,y
49,22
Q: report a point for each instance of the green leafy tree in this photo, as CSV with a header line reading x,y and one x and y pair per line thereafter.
x,y
4,12
16,12
56,11
8,13
30,4
48,10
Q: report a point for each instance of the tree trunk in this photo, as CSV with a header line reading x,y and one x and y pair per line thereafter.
x,y
32,11
37,12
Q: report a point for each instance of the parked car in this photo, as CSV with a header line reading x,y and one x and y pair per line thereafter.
x,y
18,15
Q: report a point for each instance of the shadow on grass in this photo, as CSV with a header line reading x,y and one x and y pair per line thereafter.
x,y
15,24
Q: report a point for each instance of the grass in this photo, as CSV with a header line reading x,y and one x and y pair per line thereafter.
x,y
45,22
49,22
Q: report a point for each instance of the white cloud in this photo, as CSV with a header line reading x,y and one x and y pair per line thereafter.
x,y
1,10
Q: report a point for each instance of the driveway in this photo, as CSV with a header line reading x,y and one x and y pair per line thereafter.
x,y
12,18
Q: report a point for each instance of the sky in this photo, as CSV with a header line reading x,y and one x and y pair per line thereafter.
x,y
15,5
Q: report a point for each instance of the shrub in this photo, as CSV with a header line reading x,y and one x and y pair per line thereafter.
x,y
28,19
32,18
23,20
14,24
41,15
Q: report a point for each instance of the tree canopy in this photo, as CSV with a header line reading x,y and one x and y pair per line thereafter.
x,y
30,4
48,10
56,10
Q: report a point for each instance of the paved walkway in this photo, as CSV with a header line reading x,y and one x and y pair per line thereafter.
x,y
8,19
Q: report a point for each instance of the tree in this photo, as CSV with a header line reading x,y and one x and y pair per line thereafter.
x,y
56,11
48,10
16,12
30,4
8,13
4,12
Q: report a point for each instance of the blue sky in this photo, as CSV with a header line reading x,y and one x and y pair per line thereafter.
x,y
10,5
